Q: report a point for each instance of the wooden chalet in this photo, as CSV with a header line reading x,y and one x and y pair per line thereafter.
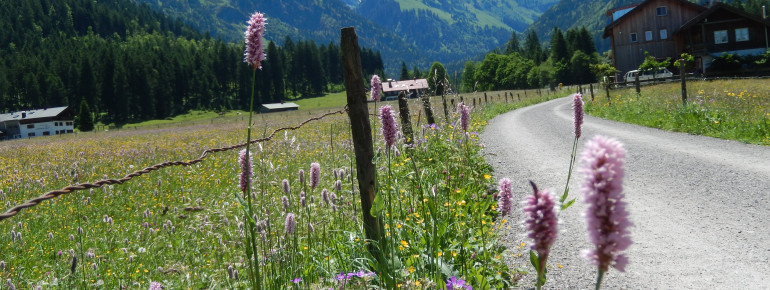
x,y
413,88
34,123
667,28
722,29
648,27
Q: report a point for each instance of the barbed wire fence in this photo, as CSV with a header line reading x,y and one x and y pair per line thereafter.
x,y
83,186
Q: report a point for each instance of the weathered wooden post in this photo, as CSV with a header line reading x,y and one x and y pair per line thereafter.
x,y
591,88
358,112
607,89
539,94
580,89
518,95
525,94
474,102
636,83
446,110
682,79
486,101
506,97
428,109
406,123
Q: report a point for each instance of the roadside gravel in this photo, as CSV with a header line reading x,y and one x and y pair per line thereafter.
x,y
700,206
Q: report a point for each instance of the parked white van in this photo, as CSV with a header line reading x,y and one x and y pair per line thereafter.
x,y
647,75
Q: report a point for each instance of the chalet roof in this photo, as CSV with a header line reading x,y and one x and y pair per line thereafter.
x,y
641,6
32,114
278,106
717,7
609,12
396,86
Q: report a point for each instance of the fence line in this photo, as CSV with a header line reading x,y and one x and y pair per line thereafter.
x,y
83,186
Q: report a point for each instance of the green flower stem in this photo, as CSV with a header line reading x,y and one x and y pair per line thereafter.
x,y
599,279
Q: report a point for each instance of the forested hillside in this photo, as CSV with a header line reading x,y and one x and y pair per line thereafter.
x,y
129,62
417,32
319,21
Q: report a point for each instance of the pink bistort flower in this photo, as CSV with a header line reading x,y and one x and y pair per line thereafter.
x,y
506,197
465,116
389,126
606,216
246,170
376,91
577,106
254,53
541,221
315,174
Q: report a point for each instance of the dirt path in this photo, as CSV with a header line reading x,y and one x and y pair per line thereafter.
x,y
701,206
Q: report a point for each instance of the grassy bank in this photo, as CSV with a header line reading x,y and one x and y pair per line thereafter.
x,y
729,109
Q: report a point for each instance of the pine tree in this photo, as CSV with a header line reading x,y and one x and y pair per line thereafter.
x,y
404,72
436,77
85,118
513,44
532,49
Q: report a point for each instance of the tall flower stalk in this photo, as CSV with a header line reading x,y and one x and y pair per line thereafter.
x,y
253,55
542,223
606,216
577,107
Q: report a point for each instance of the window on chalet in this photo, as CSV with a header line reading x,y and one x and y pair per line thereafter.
x,y
31,134
31,126
633,37
663,34
648,35
720,36
69,123
46,133
661,11
742,34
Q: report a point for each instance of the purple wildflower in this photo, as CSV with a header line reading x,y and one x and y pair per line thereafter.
x,y
389,126
541,222
302,198
289,223
325,196
246,170
315,174
255,51
606,216
577,106
285,185
376,88
506,196
296,280
456,284
465,116
338,185
155,286
285,201
301,176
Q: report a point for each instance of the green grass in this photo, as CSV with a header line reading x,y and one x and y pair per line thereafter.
x,y
332,100
728,109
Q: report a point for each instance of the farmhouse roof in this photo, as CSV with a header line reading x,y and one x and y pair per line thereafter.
x,y
396,86
641,6
278,106
721,6
32,114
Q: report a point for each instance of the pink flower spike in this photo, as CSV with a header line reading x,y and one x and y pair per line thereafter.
x,y
315,174
541,221
246,170
376,85
506,197
606,216
254,53
389,126
465,116
577,106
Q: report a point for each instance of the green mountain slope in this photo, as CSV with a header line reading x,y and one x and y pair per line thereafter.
x,y
415,31
575,13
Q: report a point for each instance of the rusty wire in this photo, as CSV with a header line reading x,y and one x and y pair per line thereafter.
x,y
83,186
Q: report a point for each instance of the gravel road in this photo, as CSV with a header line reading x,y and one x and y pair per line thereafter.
x,y
700,205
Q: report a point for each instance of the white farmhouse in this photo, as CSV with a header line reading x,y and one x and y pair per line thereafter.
x,y
40,122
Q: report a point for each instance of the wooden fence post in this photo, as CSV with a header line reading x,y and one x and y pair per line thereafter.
x,y
406,123
525,94
428,110
636,83
591,88
682,79
486,101
446,110
607,89
358,112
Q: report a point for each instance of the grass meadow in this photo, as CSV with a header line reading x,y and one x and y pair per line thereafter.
x,y
728,109
183,227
